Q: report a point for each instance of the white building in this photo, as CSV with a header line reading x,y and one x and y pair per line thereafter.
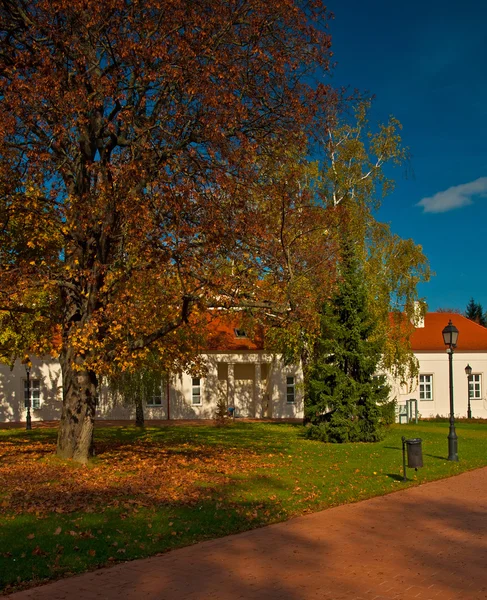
x,y
431,389
259,385
238,370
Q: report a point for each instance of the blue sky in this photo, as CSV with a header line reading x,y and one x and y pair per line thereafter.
x,y
426,63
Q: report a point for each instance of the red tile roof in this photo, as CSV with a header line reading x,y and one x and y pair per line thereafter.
x,y
222,337
471,336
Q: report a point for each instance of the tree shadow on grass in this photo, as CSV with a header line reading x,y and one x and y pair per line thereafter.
x,y
146,472
33,550
407,541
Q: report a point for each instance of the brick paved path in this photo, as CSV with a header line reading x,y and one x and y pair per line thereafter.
x,y
425,542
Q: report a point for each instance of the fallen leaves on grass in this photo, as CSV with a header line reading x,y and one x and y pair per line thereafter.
x,y
124,476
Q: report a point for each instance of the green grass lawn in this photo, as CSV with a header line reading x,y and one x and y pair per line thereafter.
x,y
160,488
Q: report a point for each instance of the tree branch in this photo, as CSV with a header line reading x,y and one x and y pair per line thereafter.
x,y
147,340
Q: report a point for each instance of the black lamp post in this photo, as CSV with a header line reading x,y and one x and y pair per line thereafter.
x,y
450,337
468,372
28,420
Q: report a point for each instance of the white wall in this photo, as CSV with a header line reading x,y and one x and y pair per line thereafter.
x,y
111,407
268,395
437,365
48,371
257,391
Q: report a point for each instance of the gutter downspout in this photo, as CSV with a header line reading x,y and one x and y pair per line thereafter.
x,y
168,400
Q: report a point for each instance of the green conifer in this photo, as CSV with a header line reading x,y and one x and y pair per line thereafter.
x,y
346,396
475,312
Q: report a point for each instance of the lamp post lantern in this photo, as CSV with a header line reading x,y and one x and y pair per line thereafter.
x,y
28,420
468,372
450,338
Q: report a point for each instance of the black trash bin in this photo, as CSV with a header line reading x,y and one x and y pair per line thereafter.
x,y
415,453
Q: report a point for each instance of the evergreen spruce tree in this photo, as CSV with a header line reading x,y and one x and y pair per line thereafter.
x,y
471,310
345,396
475,312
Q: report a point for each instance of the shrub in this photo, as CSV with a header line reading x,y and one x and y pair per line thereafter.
x,y
388,411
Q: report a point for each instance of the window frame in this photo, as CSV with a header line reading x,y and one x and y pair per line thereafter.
x,y
35,403
425,384
197,395
152,404
290,386
472,384
158,394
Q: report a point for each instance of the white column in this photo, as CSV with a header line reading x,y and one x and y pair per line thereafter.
x,y
231,385
258,391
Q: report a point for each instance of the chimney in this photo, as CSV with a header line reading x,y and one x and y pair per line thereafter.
x,y
418,315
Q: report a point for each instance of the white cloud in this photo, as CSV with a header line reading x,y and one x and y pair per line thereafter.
x,y
455,196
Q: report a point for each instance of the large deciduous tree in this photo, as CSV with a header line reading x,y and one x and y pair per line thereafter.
x,y
132,139
367,273
344,188
377,277
386,269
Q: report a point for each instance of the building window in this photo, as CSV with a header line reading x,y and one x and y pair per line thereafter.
x,y
240,333
475,386
426,387
35,393
290,390
196,391
154,393
155,400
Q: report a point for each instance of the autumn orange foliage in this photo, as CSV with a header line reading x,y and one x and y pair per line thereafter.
x,y
136,139
130,476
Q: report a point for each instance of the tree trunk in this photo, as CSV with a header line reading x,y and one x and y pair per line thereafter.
x,y
75,437
139,411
